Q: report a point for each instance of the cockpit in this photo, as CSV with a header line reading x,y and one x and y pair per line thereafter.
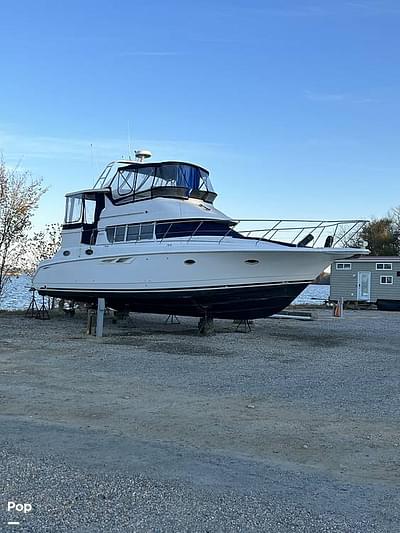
x,y
131,182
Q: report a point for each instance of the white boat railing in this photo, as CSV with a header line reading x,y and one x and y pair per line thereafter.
x,y
311,233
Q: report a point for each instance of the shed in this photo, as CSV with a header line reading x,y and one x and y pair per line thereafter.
x,y
367,279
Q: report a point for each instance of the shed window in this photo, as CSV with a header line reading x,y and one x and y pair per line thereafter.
x,y
383,266
343,266
386,280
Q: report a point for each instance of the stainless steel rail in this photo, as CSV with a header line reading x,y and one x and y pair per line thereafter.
x,y
289,231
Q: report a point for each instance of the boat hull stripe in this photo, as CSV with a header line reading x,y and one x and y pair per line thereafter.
x,y
172,289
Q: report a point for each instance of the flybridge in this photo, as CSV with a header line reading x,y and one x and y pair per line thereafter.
x,y
130,181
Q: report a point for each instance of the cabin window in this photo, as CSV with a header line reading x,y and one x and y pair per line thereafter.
x,y
89,211
146,231
119,233
386,280
343,266
131,232
73,211
383,266
197,228
110,232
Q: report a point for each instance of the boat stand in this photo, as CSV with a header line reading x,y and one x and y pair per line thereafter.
x,y
206,326
43,313
101,306
34,310
98,330
244,326
172,319
33,306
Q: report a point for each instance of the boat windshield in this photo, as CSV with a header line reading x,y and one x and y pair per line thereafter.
x,y
139,181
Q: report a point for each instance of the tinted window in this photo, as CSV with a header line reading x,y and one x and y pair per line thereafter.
x,y
196,228
119,233
146,231
133,232
110,233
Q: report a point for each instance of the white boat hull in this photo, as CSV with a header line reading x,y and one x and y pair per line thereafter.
x,y
237,280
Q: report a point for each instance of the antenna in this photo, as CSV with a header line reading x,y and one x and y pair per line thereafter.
x,y
91,157
129,141
94,164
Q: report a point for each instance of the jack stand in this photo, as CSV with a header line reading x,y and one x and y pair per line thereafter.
x,y
33,308
206,326
91,315
246,324
42,312
172,319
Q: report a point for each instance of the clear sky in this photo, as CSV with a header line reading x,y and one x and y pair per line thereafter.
x,y
293,105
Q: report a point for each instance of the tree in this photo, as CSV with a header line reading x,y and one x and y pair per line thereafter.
x,y
395,216
42,245
382,236
19,197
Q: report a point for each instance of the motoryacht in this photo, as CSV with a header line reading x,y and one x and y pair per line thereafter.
x,y
148,238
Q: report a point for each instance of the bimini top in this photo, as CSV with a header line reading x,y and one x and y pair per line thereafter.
x,y
131,181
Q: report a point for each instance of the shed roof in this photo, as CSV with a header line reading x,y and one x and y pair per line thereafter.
x,y
371,258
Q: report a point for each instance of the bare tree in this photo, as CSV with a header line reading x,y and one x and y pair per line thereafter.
x,y
394,214
19,197
42,245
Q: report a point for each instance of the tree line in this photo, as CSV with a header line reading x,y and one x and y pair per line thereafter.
x,y
380,235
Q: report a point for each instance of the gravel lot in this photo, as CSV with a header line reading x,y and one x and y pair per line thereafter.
x,y
292,427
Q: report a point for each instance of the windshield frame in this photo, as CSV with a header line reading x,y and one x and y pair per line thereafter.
x,y
138,178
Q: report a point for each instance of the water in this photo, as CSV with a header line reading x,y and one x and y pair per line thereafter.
x,y
314,294
17,295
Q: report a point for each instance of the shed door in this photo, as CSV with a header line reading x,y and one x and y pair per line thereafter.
x,y
364,286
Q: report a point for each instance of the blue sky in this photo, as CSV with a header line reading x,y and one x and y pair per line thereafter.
x,y
292,105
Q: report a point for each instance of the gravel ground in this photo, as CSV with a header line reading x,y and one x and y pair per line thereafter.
x,y
292,427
